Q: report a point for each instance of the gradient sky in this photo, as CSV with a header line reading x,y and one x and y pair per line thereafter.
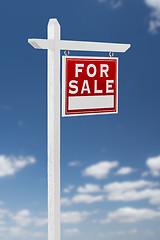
x,y
110,164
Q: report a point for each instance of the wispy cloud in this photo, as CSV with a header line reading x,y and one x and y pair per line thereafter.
x,y
21,233
113,3
74,164
40,222
145,174
74,217
130,185
71,232
24,218
133,191
1,203
68,189
86,198
154,22
133,231
3,213
11,165
66,202
148,233
116,191
100,170
89,188
125,171
17,225
116,3
131,215
118,233
154,5
152,194
81,198
20,123
5,108
112,234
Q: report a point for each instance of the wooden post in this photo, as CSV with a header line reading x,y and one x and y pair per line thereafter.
x,y
54,132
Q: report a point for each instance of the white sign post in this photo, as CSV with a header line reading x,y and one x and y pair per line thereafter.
x,y
54,44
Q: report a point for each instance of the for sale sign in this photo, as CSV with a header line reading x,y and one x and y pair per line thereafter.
x,y
90,85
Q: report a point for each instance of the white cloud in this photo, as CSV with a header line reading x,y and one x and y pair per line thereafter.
x,y
127,191
125,171
154,23
10,165
15,225
65,202
100,170
83,197
155,196
71,232
130,185
131,215
68,189
74,164
89,188
86,198
23,217
16,232
74,217
152,194
154,165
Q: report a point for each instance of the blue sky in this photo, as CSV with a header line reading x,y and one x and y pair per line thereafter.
x,y
110,164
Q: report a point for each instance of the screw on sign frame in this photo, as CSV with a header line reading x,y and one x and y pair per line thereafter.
x,y
53,45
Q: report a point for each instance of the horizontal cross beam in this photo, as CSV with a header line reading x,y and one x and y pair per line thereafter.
x,y
79,45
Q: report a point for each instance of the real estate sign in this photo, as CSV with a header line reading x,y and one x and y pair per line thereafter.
x,y
90,85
